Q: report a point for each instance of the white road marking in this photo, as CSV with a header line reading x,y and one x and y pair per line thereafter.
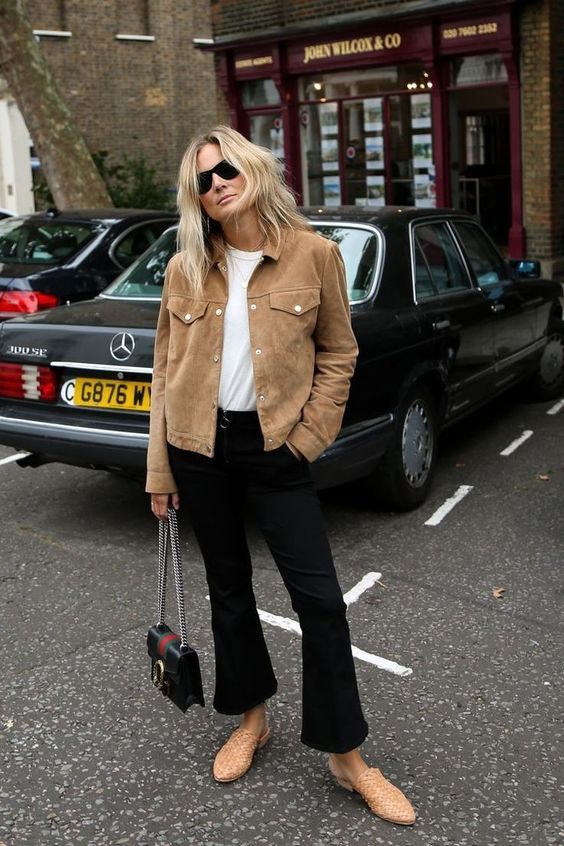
x,y
517,442
352,595
381,663
366,582
556,408
15,457
447,506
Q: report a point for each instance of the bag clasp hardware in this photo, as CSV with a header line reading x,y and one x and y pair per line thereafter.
x,y
158,676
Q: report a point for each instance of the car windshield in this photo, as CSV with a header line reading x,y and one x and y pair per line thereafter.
x,y
145,277
43,242
359,248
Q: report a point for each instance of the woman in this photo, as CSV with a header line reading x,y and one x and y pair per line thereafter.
x,y
253,358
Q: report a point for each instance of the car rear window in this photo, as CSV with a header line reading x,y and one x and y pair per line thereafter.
x,y
144,278
360,249
43,242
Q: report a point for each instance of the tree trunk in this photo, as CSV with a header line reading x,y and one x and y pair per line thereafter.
x,y
70,172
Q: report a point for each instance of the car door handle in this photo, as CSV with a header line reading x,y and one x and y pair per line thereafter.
x,y
498,307
441,324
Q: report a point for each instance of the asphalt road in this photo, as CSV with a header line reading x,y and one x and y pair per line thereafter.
x,y
469,724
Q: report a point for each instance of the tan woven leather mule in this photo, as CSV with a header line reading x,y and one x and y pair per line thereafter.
x,y
383,799
236,756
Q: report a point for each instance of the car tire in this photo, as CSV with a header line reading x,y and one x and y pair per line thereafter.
x,y
548,381
403,477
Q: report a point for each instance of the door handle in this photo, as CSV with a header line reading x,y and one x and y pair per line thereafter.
x,y
498,307
441,324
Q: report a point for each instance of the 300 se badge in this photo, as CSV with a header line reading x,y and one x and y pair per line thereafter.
x,y
107,393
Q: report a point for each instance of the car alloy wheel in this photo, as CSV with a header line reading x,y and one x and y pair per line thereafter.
x,y
548,382
417,443
403,477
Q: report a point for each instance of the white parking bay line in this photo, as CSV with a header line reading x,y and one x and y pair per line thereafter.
x,y
517,442
366,582
447,506
381,663
556,408
15,457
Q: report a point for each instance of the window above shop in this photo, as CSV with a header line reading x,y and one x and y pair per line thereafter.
x,y
259,92
362,81
473,70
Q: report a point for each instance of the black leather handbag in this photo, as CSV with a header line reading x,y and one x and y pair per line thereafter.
x,y
175,668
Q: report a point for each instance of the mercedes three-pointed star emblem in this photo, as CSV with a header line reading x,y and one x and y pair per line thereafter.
x,y
122,346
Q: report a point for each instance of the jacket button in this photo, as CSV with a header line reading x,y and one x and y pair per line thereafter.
x,y
261,397
258,352
218,311
216,358
253,306
187,317
223,267
270,441
297,308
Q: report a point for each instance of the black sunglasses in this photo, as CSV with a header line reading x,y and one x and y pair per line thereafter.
x,y
225,170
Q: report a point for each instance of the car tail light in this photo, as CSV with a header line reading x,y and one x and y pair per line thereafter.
x,y
28,381
26,302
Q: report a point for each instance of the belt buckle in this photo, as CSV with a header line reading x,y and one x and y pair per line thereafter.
x,y
224,421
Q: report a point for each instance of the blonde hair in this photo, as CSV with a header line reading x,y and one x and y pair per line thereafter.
x,y
199,236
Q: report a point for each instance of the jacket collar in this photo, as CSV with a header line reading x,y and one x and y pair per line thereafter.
x,y
272,249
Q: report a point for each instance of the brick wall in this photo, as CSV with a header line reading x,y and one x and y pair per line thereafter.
x,y
133,96
231,16
542,63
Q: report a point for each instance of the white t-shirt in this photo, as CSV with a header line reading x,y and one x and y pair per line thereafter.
x,y
236,382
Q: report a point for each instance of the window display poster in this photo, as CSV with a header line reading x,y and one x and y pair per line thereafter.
x,y
425,190
374,146
422,151
332,190
329,154
328,118
421,111
375,190
373,115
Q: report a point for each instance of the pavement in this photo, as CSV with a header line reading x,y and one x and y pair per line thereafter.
x,y
461,684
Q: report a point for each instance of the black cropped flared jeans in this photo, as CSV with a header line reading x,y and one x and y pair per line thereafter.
x,y
277,488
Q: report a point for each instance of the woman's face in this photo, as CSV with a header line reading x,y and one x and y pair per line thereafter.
x,y
221,201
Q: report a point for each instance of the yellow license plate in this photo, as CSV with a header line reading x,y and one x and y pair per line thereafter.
x,y
113,393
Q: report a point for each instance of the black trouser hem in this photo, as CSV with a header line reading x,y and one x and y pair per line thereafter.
x,y
331,749
232,711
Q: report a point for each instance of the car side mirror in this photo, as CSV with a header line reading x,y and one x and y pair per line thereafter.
x,y
525,269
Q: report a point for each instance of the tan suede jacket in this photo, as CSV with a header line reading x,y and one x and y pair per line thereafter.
x,y
302,343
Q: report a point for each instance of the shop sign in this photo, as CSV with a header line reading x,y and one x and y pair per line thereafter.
x,y
351,46
385,45
477,31
253,62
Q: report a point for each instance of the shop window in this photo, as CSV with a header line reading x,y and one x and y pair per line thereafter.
x,y
320,154
471,70
267,130
259,92
358,82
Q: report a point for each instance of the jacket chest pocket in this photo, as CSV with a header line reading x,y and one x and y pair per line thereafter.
x,y
188,323
293,315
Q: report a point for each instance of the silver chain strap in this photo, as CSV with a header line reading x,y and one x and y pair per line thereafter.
x,y
168,530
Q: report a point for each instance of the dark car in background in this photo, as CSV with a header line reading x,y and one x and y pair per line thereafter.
x,y
58,257
443,324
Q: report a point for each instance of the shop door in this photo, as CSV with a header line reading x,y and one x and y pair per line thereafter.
x,y
368,152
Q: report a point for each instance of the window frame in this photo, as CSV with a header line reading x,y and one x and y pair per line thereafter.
x,y
380,257
426,221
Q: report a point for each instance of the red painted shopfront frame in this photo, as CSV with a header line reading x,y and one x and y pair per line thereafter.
x,y
432,44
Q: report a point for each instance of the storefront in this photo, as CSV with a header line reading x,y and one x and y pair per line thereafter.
x,y
422,113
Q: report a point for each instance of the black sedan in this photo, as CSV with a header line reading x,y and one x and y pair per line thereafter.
x,y
61,257
442,321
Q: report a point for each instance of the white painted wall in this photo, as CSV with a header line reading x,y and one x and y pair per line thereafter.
x,y
16,193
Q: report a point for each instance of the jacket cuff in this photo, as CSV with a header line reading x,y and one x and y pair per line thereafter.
x,y
302,439
159,482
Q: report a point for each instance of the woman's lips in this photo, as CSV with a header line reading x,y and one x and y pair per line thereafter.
x,y
227,197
